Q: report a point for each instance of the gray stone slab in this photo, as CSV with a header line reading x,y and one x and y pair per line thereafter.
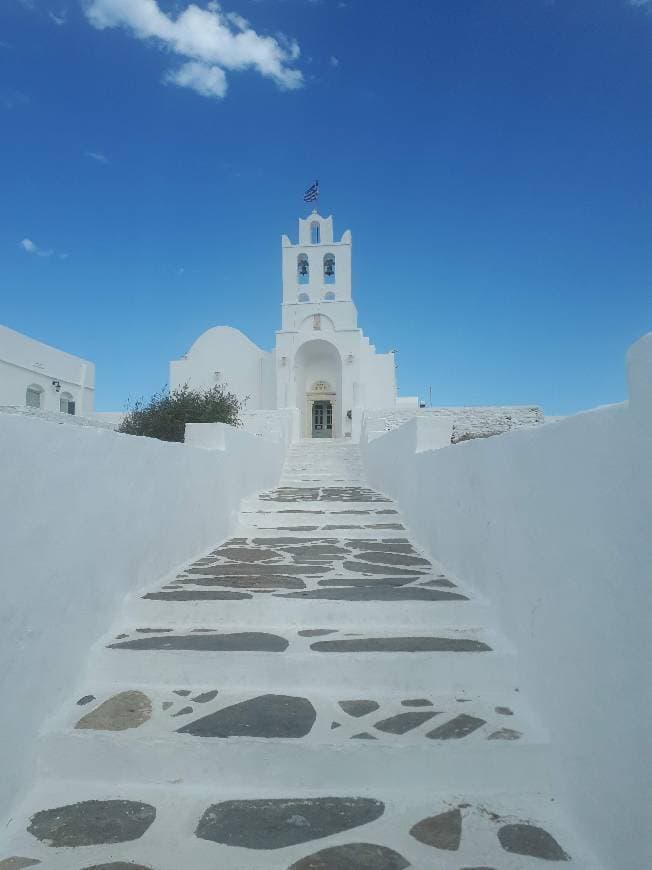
x,y
294,541
121,712
385,547
264,716
196,595
241,570
374,580
294,511
527,839
368,568
294,528
397,526
252,582
117,865
85,700
455,729
331,528
205,697
376,593
92,823
505,734
401,644
404,722
359,708
184,711
316,632
389,557
504,711
443,831
277,823
353,856
416,702
18,863
248,554
352,512
244,641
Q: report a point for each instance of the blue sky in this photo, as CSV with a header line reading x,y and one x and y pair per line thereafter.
x,y
491,157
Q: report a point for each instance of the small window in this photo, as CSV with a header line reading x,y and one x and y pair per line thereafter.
x,y
329,297
314,233
66,404
303,297
33,396
329,269
303,269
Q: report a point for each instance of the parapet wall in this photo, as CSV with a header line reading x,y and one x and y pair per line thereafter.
x,y
466,422
553,525
87,516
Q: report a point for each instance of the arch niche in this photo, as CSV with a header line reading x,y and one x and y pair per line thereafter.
x,y
318,380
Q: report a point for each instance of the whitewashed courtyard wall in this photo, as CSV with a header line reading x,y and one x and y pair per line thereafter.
x,y
88,515
554,525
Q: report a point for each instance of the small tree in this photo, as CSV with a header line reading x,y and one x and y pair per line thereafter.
x,y
165,415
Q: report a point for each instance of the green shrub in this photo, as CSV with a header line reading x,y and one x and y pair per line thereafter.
x,y
165,415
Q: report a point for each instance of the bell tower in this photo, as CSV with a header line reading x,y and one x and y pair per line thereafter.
x,y
317,274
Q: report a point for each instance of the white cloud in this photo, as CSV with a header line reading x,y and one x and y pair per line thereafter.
x,y
96,156
61,18
209,81
334,61
640,3
31,247
211,40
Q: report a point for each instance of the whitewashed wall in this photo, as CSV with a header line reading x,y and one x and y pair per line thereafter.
x,y
554,525
86,516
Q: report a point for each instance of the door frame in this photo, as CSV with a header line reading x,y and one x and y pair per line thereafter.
x,y
311,398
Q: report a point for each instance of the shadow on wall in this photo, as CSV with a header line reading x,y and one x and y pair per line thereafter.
x,y
89,515
552,524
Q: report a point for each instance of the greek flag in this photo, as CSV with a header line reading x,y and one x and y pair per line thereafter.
x,y
312,193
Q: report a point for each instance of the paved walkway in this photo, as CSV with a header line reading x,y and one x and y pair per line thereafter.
x,y
313,694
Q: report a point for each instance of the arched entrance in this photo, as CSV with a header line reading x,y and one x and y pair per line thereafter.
x,y
318,379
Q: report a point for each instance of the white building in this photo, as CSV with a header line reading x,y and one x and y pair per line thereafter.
x,y
35,375
322,363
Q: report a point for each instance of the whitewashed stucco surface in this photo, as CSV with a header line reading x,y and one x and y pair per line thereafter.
x,y
24,362
87,516
554,525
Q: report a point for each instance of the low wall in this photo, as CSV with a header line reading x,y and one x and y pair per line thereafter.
x,y
86,516
554,526
466,422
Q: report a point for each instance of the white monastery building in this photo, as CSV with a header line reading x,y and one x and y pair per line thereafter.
x,y
35,375
322,364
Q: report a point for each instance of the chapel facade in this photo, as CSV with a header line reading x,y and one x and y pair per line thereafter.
x,y
322,364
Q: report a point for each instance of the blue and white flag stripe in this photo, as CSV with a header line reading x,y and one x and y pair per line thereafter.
x,y
312,193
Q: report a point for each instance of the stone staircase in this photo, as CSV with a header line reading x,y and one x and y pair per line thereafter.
x,y
314,694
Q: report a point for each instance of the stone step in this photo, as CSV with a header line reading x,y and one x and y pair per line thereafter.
x,y
449,662
76,825
289,765
293,615
149,710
